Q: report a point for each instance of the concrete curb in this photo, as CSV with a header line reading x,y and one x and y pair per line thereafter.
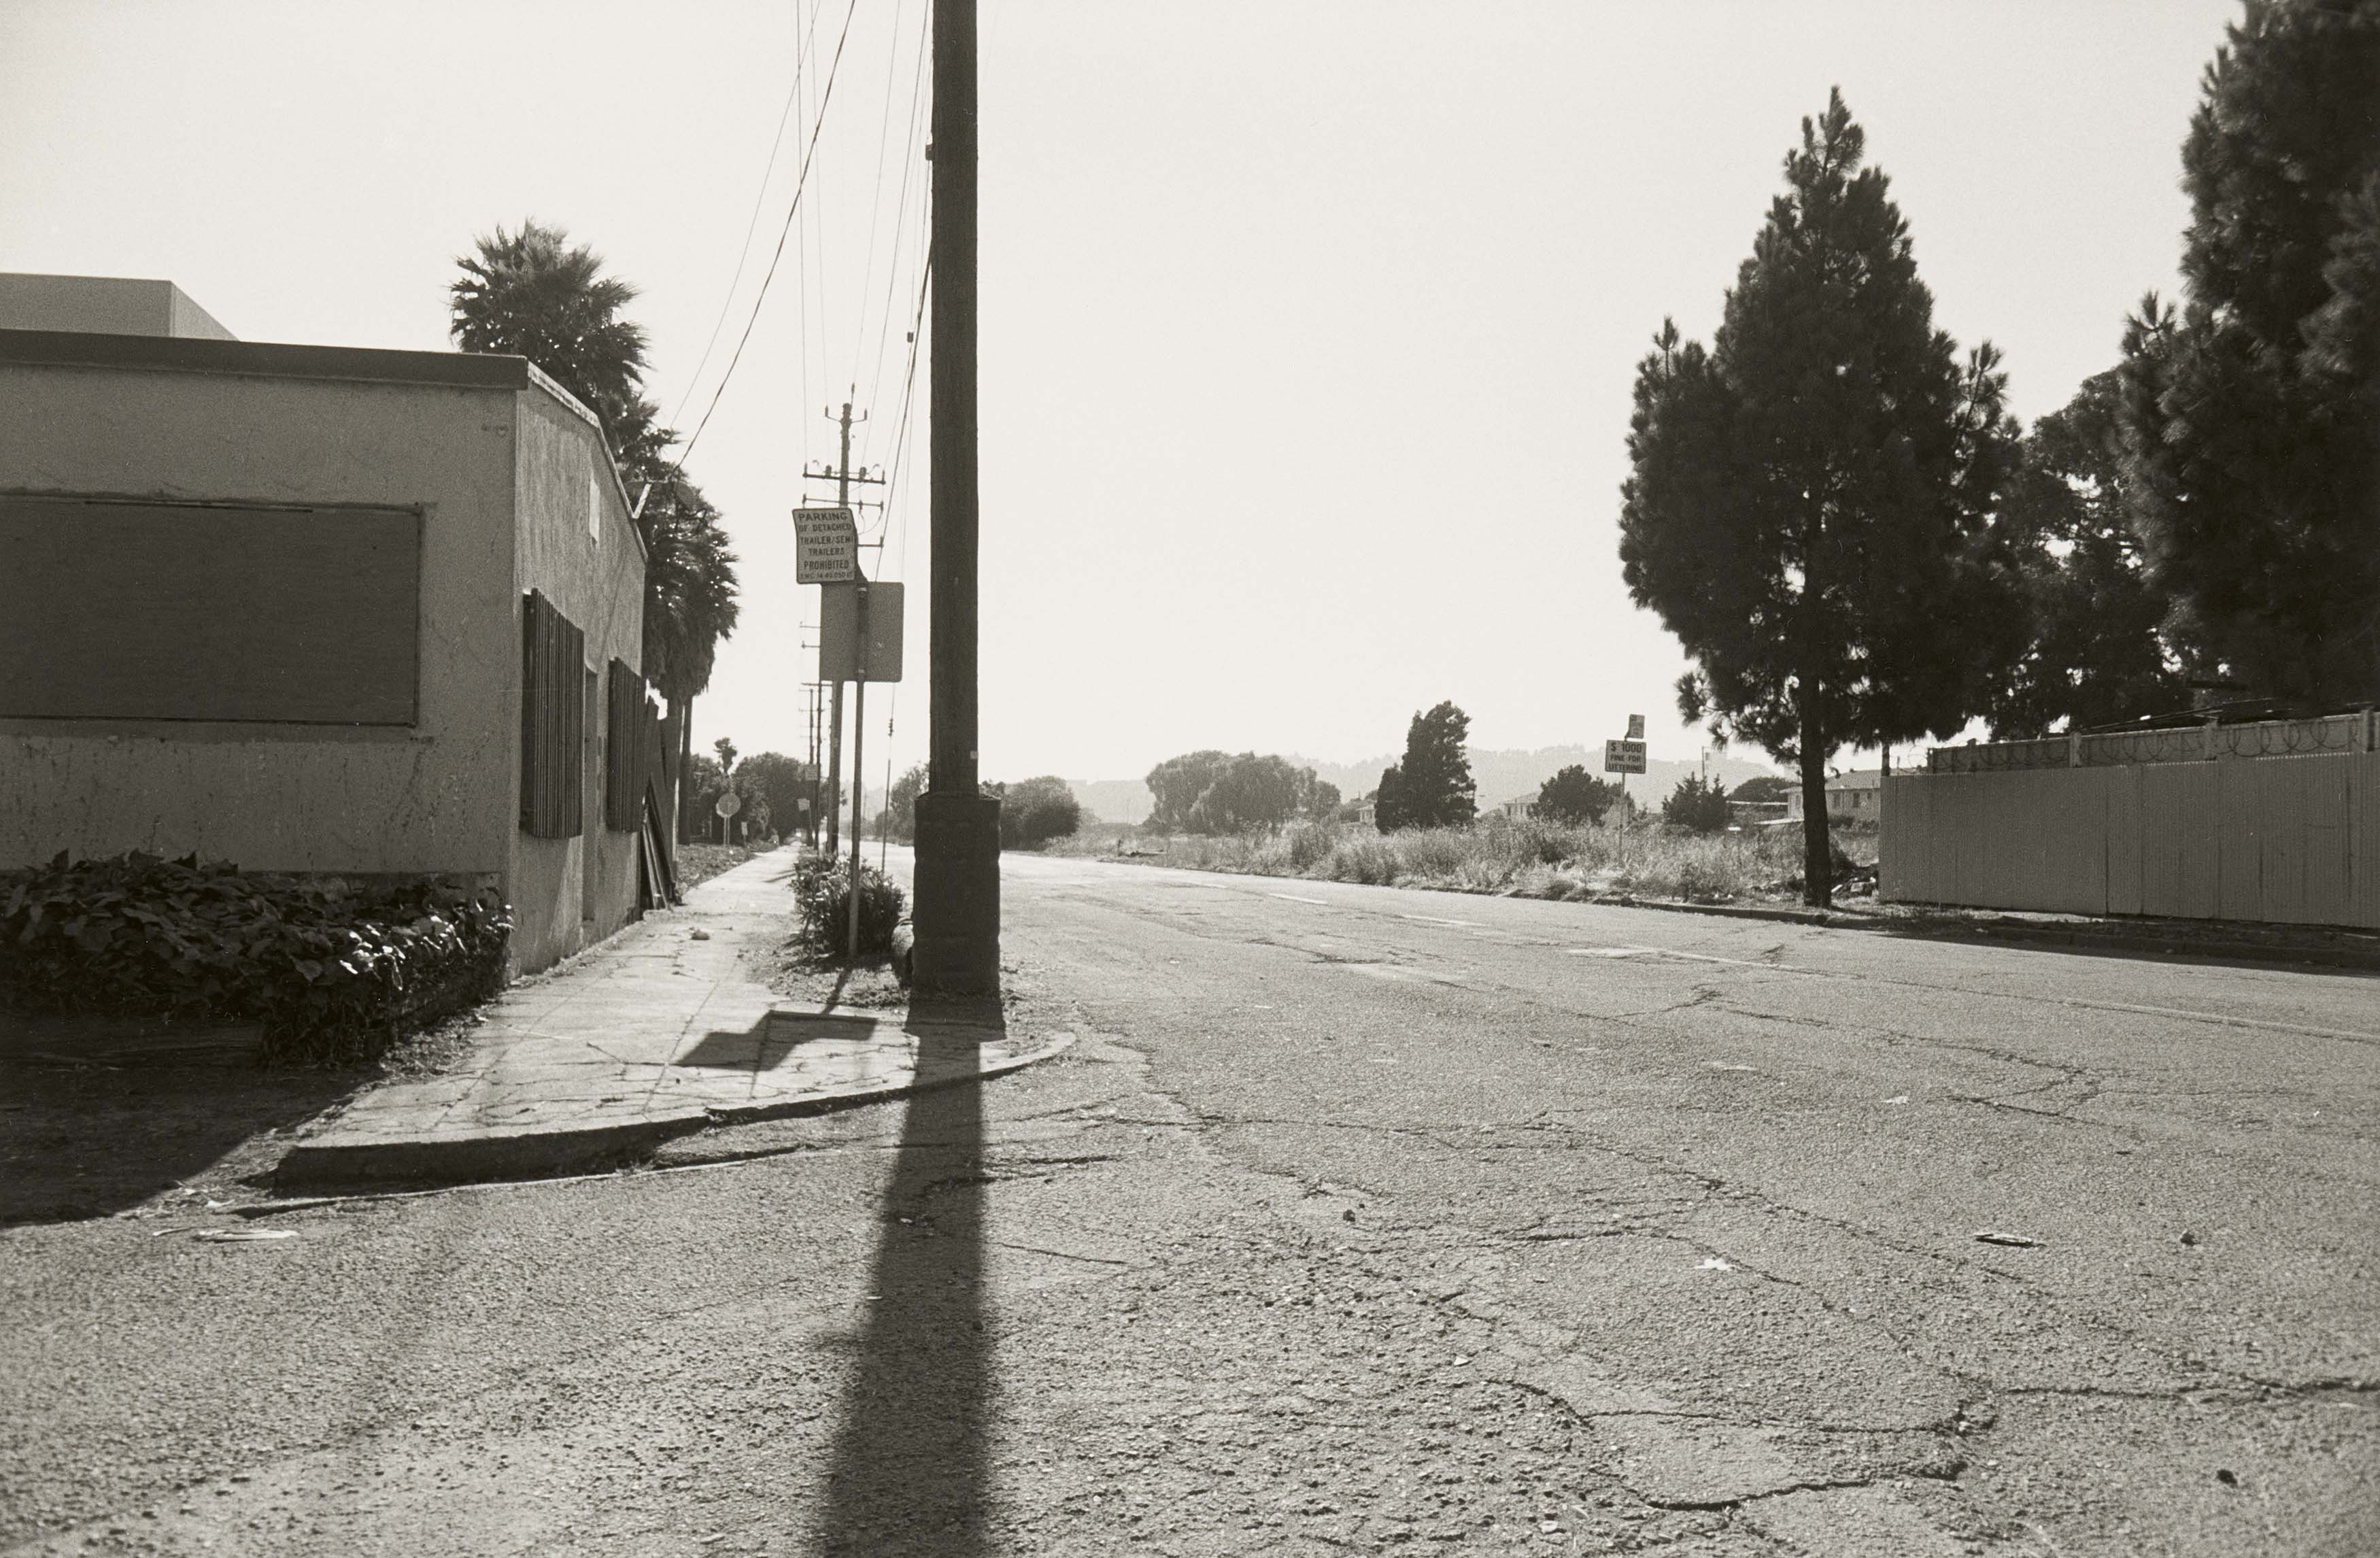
x,y
537,1151
2003,929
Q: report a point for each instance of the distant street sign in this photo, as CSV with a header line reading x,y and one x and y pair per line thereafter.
x,y
839,645
826,546
1635,727
728,805
1623,757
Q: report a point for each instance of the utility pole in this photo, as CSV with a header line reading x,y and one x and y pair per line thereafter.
x,y
957,949
844,477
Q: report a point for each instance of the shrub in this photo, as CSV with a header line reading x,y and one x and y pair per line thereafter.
x,y
1575,795
1310,843
822,895
1699,804
330,968
1034,811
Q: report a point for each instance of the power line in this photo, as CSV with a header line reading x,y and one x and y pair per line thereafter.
x,y
801,181
760,197
876,198
901,212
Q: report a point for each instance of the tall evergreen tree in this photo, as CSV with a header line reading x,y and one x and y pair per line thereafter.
x,y
2252,414
1809,506
2095,652
1389,801
1434,787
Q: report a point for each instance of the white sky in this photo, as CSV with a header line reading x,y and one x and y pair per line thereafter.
x,y
1308,330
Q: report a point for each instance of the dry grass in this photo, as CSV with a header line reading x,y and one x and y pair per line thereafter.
x,y
1523,859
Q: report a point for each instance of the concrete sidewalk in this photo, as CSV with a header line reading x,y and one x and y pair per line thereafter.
x,y
663,1030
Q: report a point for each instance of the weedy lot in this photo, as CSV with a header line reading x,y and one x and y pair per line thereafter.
x,y
1528,858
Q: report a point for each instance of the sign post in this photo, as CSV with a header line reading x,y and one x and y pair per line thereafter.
x,y
728,806
858,736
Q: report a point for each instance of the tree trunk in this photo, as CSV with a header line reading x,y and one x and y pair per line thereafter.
x,y
1818,843
685,768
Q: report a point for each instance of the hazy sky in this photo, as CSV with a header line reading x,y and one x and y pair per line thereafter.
x,y
1308,330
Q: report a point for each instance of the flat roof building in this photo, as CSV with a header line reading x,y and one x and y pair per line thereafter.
x,y
321,609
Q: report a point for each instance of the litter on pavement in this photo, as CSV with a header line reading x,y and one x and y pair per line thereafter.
x,y
242,1236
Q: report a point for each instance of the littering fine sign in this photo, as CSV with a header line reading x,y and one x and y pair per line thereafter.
x,y
826,546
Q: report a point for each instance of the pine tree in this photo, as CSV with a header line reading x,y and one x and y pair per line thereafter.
x,y
1809,505
2252,414
1389,801
1434,780
1573,795
2095,653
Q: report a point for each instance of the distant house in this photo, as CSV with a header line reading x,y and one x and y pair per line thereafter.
x,y
1856,797
318,609
1365,810
1519,809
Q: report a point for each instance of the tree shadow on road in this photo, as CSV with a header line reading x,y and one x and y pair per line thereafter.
x,y
98,1115
910,1469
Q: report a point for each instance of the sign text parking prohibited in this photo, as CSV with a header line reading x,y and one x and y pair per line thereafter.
x,y
1623,757
826,546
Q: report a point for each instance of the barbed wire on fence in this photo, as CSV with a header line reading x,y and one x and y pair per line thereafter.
x,y
2254,738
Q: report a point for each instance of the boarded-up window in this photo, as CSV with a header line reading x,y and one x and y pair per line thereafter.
x,y
630,732
162,611
553,721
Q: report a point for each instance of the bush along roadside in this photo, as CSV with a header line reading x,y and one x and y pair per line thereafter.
x,y
822,894
331,969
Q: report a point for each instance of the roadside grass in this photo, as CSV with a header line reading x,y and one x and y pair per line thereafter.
x,y
1526,859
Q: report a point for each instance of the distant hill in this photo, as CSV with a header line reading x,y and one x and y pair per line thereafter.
x,y
1115,800
1500,775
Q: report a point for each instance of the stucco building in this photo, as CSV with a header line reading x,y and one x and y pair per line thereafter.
x,y
317,609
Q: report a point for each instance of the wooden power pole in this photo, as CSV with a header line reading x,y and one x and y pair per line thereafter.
x,y
957,917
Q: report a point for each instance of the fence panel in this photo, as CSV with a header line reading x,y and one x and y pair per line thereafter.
x,y
2122,798
1903,851
2289,839
2363,840
2240,829
2179,851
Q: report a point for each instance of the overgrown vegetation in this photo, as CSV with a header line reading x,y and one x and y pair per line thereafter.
x,y
331,969
1529,858
1697,804
823,895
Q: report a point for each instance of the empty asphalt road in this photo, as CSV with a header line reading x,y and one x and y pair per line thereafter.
x,y
1358,1221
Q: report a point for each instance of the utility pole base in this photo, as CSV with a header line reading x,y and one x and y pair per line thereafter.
x,y
958,914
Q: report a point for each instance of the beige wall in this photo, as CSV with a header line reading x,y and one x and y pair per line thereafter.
x,y
597,581
284,797
2283,839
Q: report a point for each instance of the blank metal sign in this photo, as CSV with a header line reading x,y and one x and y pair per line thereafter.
x,y
839,633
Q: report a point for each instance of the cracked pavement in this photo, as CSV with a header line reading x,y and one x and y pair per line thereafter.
x,y
1358,1221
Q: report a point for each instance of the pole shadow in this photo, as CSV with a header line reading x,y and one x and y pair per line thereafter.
x,y
909,1472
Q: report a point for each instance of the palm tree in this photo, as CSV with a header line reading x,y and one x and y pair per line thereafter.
x,y
536,295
